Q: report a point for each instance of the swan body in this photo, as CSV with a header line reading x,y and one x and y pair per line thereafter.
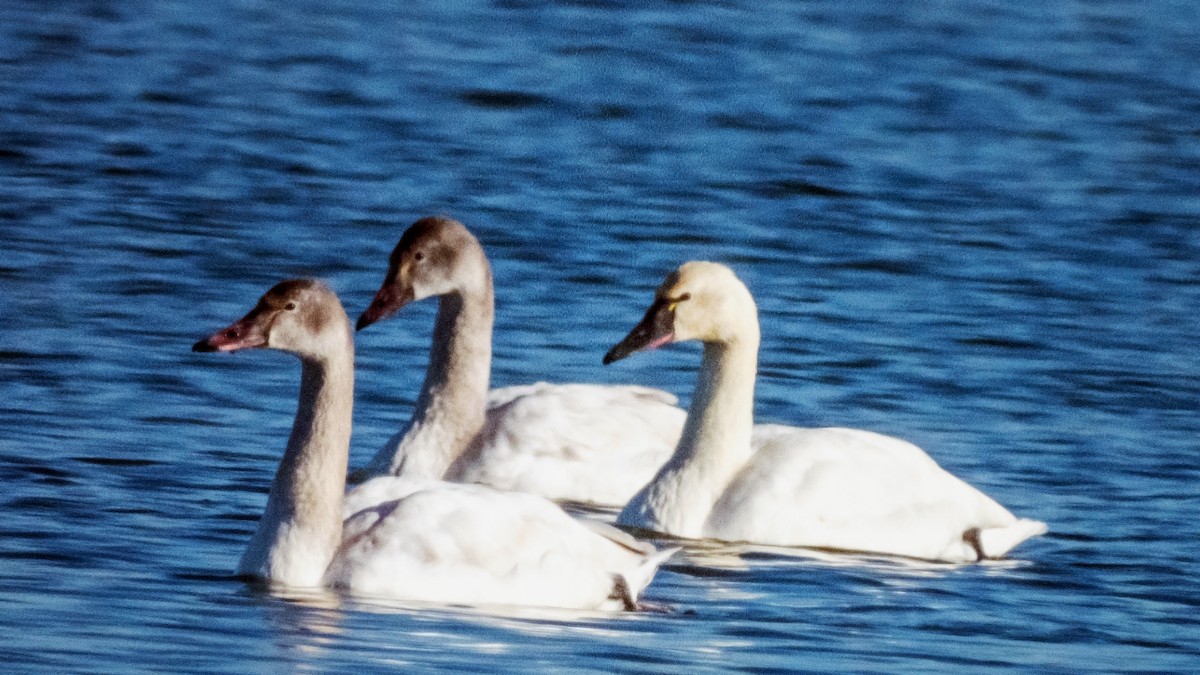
x,y
484,546
571,441
407,538
579,442
841,489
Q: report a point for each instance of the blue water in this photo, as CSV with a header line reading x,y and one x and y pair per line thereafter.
x,y
971,224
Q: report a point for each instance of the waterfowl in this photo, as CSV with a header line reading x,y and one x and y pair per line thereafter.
x,y
577,442
407,539
840,489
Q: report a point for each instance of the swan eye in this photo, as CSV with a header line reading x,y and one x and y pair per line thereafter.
x,y
290,306
419,256
676,301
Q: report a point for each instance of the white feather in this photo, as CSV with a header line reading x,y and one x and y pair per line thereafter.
x,y
470,544
579,442
416,539
841,489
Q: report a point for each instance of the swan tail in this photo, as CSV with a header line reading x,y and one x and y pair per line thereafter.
x,y
628,585
636,580
995,542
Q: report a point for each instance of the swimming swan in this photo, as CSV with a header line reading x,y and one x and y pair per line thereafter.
x,y
579,442
841,489
407,539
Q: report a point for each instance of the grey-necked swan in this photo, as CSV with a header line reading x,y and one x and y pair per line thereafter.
x,y
408,539
578,442
841,489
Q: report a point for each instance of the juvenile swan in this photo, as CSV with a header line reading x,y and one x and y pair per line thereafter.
x,y
407,539
578,442
841,489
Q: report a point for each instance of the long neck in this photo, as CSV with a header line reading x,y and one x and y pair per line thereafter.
x,y
715,444
721,415
450,410
716,437
302,525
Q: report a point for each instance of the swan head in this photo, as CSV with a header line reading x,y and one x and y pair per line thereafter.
x,y
436,256
300,316
702,301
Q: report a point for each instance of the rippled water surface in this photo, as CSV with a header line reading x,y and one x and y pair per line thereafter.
x,y
971,224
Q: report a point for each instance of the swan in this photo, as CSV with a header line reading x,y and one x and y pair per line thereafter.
x,y
407,539
585,443
840,489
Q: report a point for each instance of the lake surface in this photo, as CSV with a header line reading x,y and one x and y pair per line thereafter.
x,y
972,225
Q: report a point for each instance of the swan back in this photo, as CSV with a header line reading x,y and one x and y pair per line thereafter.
x,y
469,544
578,442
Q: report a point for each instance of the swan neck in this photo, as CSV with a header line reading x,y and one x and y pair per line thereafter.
x,y
302,526
714,447
721,414
450,408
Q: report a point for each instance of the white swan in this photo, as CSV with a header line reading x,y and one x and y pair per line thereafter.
x,y
407,539
840,489
577,442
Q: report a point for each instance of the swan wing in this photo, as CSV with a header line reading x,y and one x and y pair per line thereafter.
x,y
380,490
504,395
469,544
580,442
854,490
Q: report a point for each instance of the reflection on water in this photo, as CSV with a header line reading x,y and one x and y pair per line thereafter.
x,y
306,625
969,225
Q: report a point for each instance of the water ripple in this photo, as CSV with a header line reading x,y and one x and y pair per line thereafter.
x,y
968,225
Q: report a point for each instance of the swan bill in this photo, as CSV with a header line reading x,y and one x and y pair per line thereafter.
x,y
244,333
656,329
387,301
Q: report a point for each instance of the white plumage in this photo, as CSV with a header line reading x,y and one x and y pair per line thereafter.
x,y
841,489
579,442
407,538
470,544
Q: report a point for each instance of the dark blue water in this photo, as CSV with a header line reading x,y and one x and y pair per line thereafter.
x,y
972,225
